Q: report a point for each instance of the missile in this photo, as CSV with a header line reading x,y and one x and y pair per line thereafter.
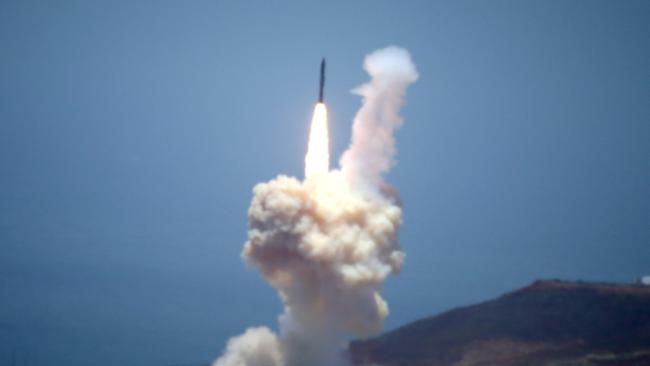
x,y
322,81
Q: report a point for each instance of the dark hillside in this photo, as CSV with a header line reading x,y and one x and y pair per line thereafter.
x,y
546,323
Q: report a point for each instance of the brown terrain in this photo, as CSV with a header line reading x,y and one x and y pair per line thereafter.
x,y
549,323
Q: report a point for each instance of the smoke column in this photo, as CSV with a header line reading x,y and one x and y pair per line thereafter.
x,y
328,243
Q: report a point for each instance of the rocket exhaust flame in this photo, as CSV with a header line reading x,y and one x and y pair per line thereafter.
x,y
317,160
327,243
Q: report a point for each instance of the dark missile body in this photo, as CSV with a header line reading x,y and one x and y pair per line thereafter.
x,y
322,81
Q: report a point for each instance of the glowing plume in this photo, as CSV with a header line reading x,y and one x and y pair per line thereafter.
x,y
317,160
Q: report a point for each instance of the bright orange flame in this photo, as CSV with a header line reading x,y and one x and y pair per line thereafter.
x,y
317,160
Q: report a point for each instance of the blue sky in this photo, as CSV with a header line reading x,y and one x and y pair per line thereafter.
x,y
132,133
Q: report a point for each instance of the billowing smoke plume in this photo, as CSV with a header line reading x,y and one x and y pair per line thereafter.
x,y
328,243
373,144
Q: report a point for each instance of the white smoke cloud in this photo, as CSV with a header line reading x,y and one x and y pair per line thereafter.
x,y
256,347
644,280
372,150
328,243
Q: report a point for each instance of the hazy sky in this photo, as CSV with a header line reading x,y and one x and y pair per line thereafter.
x,y
132,133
